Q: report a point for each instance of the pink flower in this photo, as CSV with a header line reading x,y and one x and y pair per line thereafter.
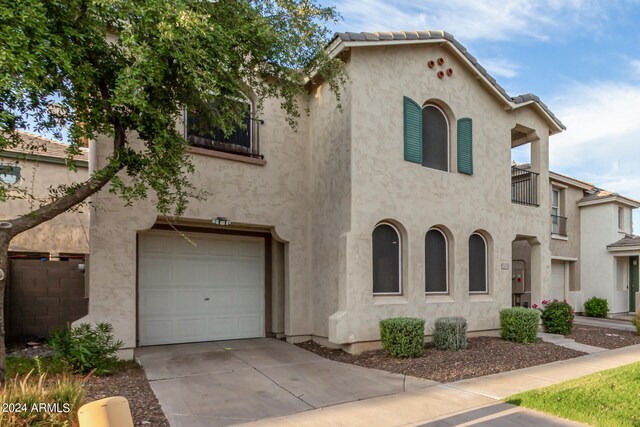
x,y
564,300
573,311
570,320
545,302
534,306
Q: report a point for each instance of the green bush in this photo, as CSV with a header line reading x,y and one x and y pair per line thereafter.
x,y
402,336
636,323
64,397
519,324
596,307
557,317
450,333
86,347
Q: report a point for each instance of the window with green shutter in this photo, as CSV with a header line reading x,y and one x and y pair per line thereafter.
x,y
412,131
465,146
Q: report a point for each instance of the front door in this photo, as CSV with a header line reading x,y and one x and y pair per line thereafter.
x,y
633,281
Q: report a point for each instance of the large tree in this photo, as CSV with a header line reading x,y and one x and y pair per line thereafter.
x,y
125,68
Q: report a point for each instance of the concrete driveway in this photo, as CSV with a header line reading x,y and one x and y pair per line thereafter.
x,y
231,382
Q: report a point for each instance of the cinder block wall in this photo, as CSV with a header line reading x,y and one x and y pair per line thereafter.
x,y
43,296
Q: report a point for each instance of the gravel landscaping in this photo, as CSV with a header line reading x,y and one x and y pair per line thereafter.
x,y
485,356
129,381
603,337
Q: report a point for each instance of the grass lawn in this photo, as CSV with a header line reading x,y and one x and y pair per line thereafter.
x,y
23,365
607,398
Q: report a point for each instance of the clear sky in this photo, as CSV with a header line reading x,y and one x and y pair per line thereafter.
x,y
581,57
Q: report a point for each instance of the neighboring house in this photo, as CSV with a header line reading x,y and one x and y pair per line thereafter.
x,y
402,204
34,166
593,250
42,296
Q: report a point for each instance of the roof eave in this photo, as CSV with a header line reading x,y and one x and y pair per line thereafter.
x,y
569,181
337,45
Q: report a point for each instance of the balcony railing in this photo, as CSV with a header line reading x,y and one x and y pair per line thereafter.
x,y
524,186
559,225
241,141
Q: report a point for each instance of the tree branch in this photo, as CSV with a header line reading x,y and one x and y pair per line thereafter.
x,y
61,205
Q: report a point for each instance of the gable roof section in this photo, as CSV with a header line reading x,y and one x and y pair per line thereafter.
x,y
38,148
604,196
348,39
628,242
568,180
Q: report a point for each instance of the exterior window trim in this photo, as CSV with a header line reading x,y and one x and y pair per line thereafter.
x,y
399,259
555,227
446,119
446,264
486,265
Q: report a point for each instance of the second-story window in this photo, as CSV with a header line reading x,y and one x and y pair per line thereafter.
x,y
201,132
435,138
620,218
555,211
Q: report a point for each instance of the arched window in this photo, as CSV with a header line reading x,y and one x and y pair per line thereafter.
x,y
435,138
387,259
477,264
436,260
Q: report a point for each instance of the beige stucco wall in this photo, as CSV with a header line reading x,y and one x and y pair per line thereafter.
x,y
66,233
598,264
385,187
274,196
323,190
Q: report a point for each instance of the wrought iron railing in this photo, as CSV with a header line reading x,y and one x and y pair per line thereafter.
x,y
245,142
559,225
524,186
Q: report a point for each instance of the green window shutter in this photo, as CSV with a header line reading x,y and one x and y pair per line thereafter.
x,y
465,146
412,131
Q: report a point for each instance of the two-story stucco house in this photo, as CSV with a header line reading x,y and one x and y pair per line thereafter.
x,y
404,203
593,249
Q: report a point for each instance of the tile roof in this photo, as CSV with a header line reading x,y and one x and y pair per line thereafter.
x,y
36,145
443,35
627,241
601,194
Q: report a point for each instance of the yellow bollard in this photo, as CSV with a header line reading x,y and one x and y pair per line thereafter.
x,y
108,412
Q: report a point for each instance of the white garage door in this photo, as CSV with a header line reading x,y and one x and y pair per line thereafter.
x,y
210,287
558,279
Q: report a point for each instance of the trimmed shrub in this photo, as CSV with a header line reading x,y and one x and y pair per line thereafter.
x,y
402,336
557,317
23,398
596,307
86,347
450,333
636,323
519,324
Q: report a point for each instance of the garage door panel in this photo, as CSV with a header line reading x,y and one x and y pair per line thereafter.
x,y
250,301
249,274
155,270
557,287
187,271
223,247
249,325
190,328
155,330
249,249
156,302
214,293
224,327
223,273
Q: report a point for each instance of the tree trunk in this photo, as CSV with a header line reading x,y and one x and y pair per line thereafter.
x,y
32,219
4,272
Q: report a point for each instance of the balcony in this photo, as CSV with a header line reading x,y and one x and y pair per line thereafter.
x,y
558,225
524,187
244,140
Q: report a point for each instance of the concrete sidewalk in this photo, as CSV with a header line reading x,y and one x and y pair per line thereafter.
x,y
467,402
604,323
